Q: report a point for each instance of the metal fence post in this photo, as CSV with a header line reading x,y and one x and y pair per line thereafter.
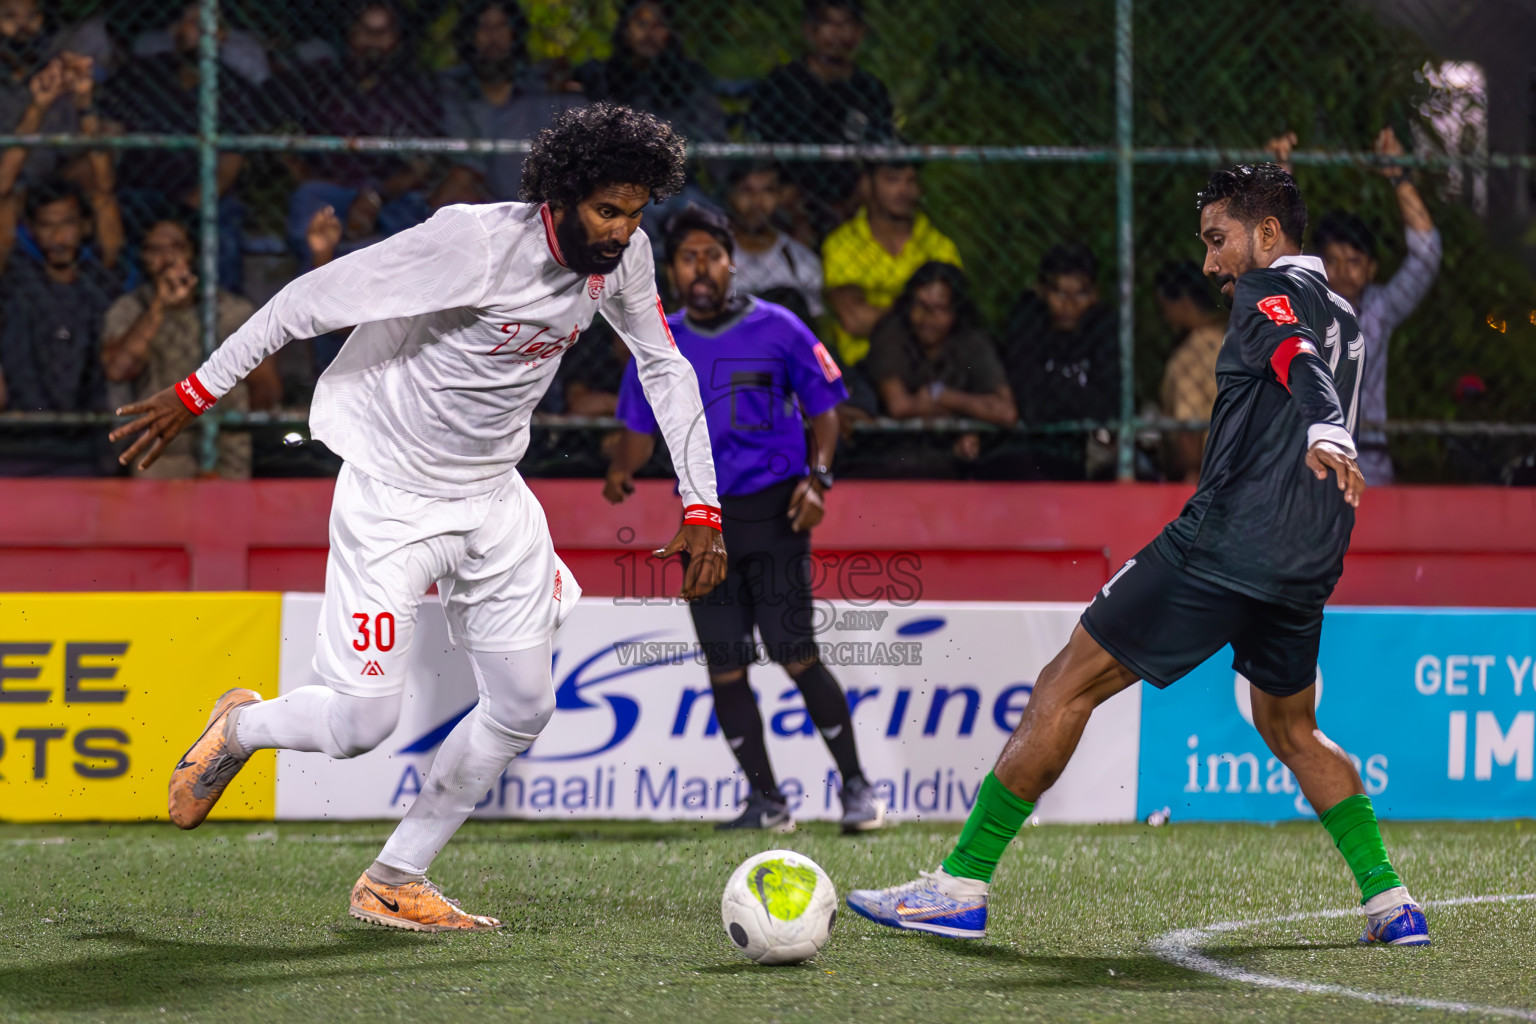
x,y
1125,233
208,198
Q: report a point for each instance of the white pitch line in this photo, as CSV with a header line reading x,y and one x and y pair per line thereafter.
x,y
1181,947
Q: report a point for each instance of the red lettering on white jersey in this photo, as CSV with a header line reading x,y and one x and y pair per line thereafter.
x,y
664,325
559,585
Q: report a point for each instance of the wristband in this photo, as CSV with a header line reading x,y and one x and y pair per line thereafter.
x,y
194,396
702,515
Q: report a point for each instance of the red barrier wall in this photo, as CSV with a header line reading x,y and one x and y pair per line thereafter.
x,y
947,541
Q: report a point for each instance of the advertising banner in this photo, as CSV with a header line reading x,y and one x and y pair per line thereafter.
x,y
1436,707
100,694
935,690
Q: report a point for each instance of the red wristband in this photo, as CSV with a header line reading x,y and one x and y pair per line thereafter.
x,y
704,515
194,396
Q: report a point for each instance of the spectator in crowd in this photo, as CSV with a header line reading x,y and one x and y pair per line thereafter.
x,y
868,259
931,358
375,89
493,94
649,71
825,98
239,51
50,328
1189,379
1348,249
152,338
160,94
29,40
1063,360
769,263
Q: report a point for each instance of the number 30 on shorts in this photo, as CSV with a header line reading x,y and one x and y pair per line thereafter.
x,y
382,635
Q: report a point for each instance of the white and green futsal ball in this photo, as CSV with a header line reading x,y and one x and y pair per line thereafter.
x,y
779,907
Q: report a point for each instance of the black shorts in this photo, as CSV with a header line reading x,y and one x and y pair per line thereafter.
x,y
767,585
1161,622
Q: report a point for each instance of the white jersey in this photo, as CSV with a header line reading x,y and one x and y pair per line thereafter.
x,y
461,323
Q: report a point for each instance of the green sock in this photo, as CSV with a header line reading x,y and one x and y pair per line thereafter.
x,y
1352,823
995,820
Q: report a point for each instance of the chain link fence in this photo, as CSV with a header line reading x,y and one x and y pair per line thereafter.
x,y
215,150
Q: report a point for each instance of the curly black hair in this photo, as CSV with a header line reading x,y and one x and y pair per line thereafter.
x,y
603,144
1256,191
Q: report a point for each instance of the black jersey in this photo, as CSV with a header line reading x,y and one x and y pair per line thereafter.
x,y
1288,374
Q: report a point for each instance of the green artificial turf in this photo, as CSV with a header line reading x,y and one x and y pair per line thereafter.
x,y
620,922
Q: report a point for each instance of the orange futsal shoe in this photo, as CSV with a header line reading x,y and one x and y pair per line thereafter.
x,y
414,906
205,769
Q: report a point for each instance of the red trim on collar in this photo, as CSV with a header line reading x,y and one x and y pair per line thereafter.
x,y
549,234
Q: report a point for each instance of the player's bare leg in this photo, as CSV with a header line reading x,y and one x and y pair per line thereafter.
x,y
1332,786
1077,681
953,900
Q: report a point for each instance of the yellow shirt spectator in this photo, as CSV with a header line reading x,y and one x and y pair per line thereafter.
x,y
851,256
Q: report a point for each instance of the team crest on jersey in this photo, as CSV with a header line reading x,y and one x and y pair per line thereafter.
x,y
594,286
373,668
559,585
1278,309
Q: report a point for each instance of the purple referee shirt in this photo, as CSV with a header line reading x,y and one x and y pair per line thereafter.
x,y
761,374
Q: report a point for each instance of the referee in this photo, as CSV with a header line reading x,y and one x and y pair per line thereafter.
x,y
763,376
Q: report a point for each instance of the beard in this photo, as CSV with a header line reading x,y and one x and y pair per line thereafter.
x,y
581,255
704,298
23,55
497,68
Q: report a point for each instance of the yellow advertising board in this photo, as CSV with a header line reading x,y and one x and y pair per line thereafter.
x,y
100,694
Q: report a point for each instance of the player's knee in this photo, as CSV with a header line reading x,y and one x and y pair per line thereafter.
x,y
359,724
727,676
526,715
798,666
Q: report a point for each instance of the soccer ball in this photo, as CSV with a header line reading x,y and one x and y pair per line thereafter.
x,y
779,907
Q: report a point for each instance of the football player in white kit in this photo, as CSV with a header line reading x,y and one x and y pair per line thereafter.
x,y
459,326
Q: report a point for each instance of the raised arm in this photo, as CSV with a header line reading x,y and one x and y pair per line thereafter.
x,y
442,264
1422,264
79,80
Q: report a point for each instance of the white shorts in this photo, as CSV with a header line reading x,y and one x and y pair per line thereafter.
x,y
502,586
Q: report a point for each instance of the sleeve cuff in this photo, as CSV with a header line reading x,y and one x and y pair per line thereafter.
x,y
1333,434
194,396
701,515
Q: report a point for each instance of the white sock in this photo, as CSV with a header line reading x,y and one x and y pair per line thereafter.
x,y
318,718
517,698
959,888
467,765
1389,900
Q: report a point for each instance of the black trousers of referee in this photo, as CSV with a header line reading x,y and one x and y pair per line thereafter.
x,y
767,587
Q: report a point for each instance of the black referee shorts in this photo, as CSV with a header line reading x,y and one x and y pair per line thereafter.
x,y
767,585
1161,622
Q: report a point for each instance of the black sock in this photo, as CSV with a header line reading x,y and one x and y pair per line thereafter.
x,y
828,707
742,723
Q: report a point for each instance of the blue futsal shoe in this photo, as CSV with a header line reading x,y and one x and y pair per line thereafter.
x,y
1394,919
936,902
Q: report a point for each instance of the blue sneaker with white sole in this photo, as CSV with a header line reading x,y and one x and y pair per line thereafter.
x,y
1402,924
923,906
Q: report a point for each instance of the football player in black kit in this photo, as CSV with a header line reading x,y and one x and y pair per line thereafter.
x,y
1249,562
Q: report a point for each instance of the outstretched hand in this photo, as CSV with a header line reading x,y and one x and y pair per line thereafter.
x,y
706,558
160,417
1322,457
